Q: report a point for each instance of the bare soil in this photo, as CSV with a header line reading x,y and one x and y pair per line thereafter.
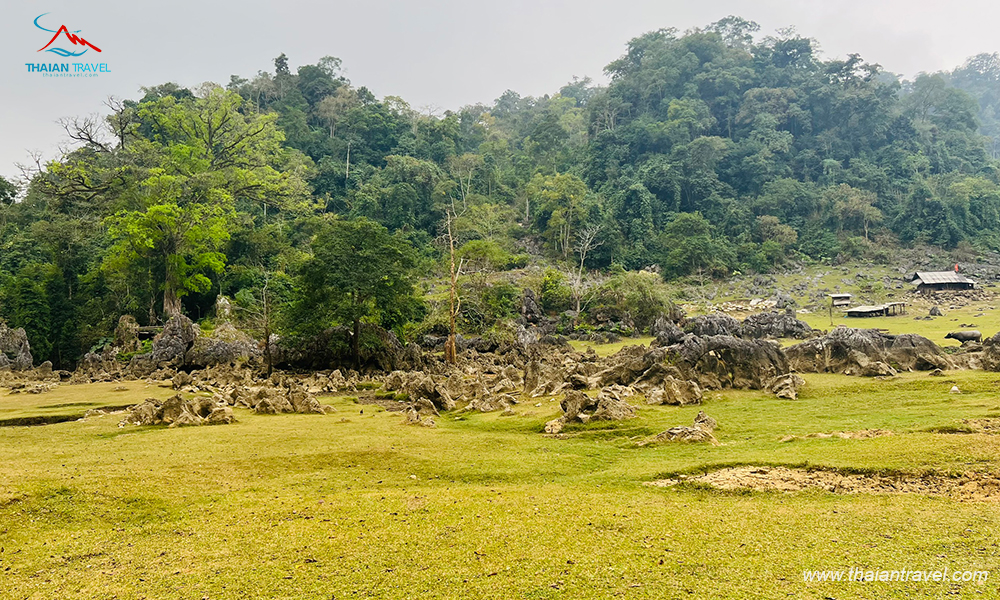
x,y
969,487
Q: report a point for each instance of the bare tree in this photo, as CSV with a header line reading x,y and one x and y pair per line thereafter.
x,y
86,130
454,300
259,315
586,240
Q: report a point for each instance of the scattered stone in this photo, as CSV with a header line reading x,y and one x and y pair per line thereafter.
x,y
785,386
699,432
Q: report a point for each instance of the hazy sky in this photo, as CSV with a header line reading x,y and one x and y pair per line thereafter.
x,y
443,53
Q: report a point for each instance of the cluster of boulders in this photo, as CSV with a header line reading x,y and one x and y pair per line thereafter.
x,y
608,405
177,411
764,325
211,402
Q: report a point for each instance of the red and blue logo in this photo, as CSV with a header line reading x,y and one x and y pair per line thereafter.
x,y
69,38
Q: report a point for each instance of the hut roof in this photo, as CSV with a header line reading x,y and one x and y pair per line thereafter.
x,y
932,277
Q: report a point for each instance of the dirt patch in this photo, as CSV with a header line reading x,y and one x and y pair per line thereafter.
x,y
864,434
966,487
983,425
389,404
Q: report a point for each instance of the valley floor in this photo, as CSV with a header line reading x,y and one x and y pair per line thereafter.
x,y
356,505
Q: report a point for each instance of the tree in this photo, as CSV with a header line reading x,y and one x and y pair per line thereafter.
x,y
689,247
185,239
359,272
257,308
586,240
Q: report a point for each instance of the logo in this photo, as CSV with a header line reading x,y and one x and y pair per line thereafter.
x,y
66,44
72,38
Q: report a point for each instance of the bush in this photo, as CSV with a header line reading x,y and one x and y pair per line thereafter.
x,y
556,295
485,304
636,297
490,255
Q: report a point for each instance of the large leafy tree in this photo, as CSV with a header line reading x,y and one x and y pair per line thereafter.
x,y
208,157
359,272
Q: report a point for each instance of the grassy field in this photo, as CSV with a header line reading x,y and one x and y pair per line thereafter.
x,y
484,506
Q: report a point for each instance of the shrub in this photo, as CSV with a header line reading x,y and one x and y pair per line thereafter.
x,y
556,295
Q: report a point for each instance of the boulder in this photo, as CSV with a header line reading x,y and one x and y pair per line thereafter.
x,y
531,312
935,312
611,405
146,413
181,380
724,361
304,402
127,335
226,345
177,408
14,342
23,360
491,403
666,331
220,415
699,432
704,421
866,352
675,392
774,325
990,359
174,341
575,403
414,418
785,386
555,425
712,324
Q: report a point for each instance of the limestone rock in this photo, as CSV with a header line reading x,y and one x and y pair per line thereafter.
x,y
785,386
675,392
127,334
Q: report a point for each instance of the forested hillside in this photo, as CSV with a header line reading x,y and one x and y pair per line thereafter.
x,y
712,151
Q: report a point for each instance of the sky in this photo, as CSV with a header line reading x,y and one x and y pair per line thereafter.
x,y
436,54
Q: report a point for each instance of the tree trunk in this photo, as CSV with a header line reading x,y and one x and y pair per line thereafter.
x,y
356,345
171,301
450,353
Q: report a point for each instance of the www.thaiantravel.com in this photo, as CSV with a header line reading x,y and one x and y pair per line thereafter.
x,y
855,574
68,69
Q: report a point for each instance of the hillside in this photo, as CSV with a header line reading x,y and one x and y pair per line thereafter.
x,y
711,154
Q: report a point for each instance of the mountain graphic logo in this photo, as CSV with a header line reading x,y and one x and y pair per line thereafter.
x,y
68,36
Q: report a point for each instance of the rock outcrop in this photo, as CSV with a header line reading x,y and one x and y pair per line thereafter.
x,y
774,325
867,352
178,412
226,345
14,345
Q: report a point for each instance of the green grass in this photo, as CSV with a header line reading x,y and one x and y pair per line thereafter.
x,y
609,349
357,505
70,400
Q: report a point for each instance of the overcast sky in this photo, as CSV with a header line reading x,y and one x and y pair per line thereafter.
x,y
444,53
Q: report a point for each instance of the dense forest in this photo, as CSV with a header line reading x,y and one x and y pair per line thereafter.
x,y
709,152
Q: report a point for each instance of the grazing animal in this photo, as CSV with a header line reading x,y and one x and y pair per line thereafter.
x,y
965,336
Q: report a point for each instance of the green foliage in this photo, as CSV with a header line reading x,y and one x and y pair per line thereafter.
x,y
635,297
359,271
486,303
556,295
707,151
690,248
